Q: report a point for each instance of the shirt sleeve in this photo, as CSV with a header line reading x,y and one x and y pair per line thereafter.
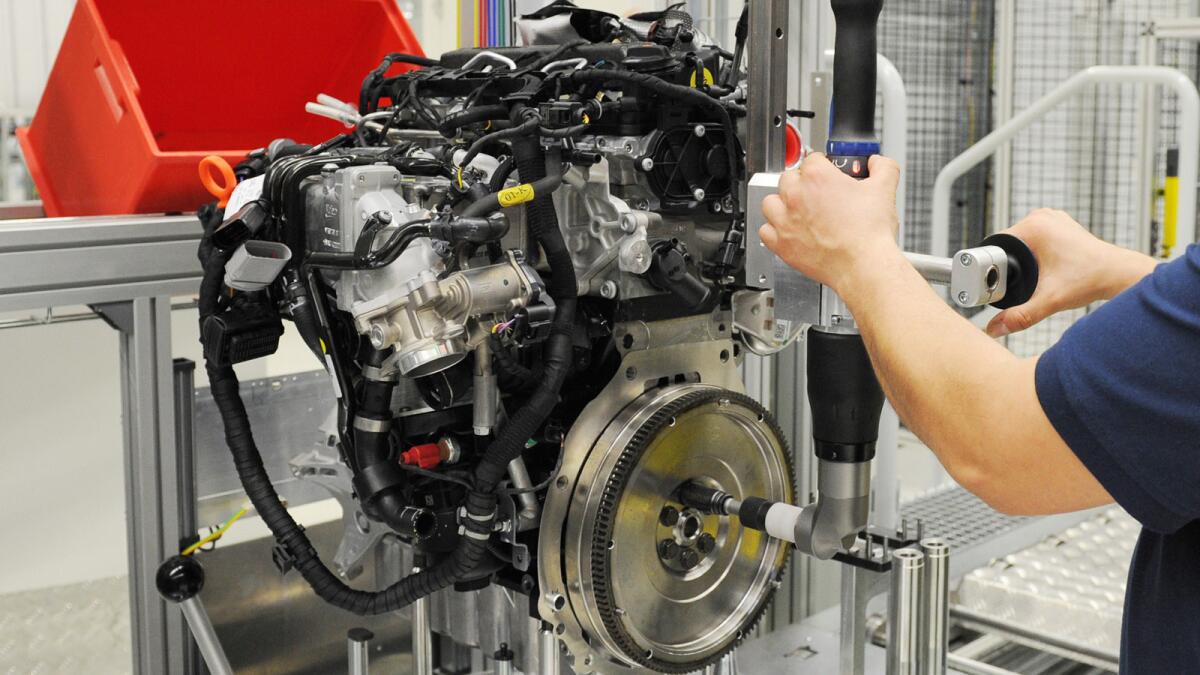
x,y
1122,388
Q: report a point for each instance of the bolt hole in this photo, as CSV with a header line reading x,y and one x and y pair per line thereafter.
x,y
560,603
778,33
778,120
560,629
627,341
721,328
993,278
724,356
630,373
561,482
691,526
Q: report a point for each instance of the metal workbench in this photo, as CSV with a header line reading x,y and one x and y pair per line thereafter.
x,y
126,269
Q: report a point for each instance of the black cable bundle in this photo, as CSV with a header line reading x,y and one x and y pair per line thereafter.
x,y
482,500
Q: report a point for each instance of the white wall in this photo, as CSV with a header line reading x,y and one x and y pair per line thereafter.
x,y
30,32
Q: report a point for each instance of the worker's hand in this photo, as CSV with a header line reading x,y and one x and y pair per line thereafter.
x,y
1075,269
825,224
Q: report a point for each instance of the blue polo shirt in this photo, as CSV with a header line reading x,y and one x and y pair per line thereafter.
x,y
1122,388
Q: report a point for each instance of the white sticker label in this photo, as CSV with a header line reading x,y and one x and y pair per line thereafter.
x,y
783,330
246,192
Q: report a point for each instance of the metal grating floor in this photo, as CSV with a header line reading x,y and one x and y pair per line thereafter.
x,y
959,517
79,628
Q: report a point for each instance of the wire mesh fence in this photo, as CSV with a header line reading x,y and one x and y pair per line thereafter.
x,y
943,50
1081,158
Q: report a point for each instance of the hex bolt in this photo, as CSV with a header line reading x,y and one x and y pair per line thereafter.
x,y
699,130
965,259
647,164
706,543
699,194
669,516
608,290
668,549
689,558
964,297
629,223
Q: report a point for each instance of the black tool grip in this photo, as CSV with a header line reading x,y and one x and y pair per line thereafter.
x,y
852,138
845,397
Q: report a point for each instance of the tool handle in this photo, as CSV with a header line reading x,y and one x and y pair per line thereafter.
x,y
852,138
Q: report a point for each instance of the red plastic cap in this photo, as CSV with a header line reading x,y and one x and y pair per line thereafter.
x,y
791,146
424,456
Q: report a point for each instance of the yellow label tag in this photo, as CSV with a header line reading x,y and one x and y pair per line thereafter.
x,y
515,195
708,78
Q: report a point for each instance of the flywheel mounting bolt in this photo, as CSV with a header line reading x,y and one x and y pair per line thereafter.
x,y
669,516
667,549
706,543
689,558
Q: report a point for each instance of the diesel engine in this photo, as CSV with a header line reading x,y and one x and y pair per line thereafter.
x,y
522,269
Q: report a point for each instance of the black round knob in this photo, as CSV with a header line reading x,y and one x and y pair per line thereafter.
x,y
179,578
1022,270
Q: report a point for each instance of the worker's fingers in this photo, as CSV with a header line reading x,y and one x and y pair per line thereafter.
x,y
776,212
769,236
1016,319
884,171
789,188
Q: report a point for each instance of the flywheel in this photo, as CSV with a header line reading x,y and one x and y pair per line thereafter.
x,y
655,584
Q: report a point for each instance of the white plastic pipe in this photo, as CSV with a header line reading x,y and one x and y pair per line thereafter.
x,y
1189,142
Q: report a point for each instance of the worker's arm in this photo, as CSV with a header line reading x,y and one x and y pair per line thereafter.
x,y
971,400
1077,269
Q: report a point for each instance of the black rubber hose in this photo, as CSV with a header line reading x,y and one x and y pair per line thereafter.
x,y
543,223
520,128
482,113
490,203
501,174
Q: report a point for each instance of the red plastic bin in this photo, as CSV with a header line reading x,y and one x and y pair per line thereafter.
x,y
142,90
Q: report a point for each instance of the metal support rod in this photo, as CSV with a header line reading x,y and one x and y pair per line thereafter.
x,y
963,664
767,46
358,650
185,402
1005,51
1189,141
422,636
937,604
518,473
486,402
905,647
548,657
152,475
206,637
933,268
859,585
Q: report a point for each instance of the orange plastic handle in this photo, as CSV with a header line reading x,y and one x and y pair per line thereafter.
x,y
217,177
